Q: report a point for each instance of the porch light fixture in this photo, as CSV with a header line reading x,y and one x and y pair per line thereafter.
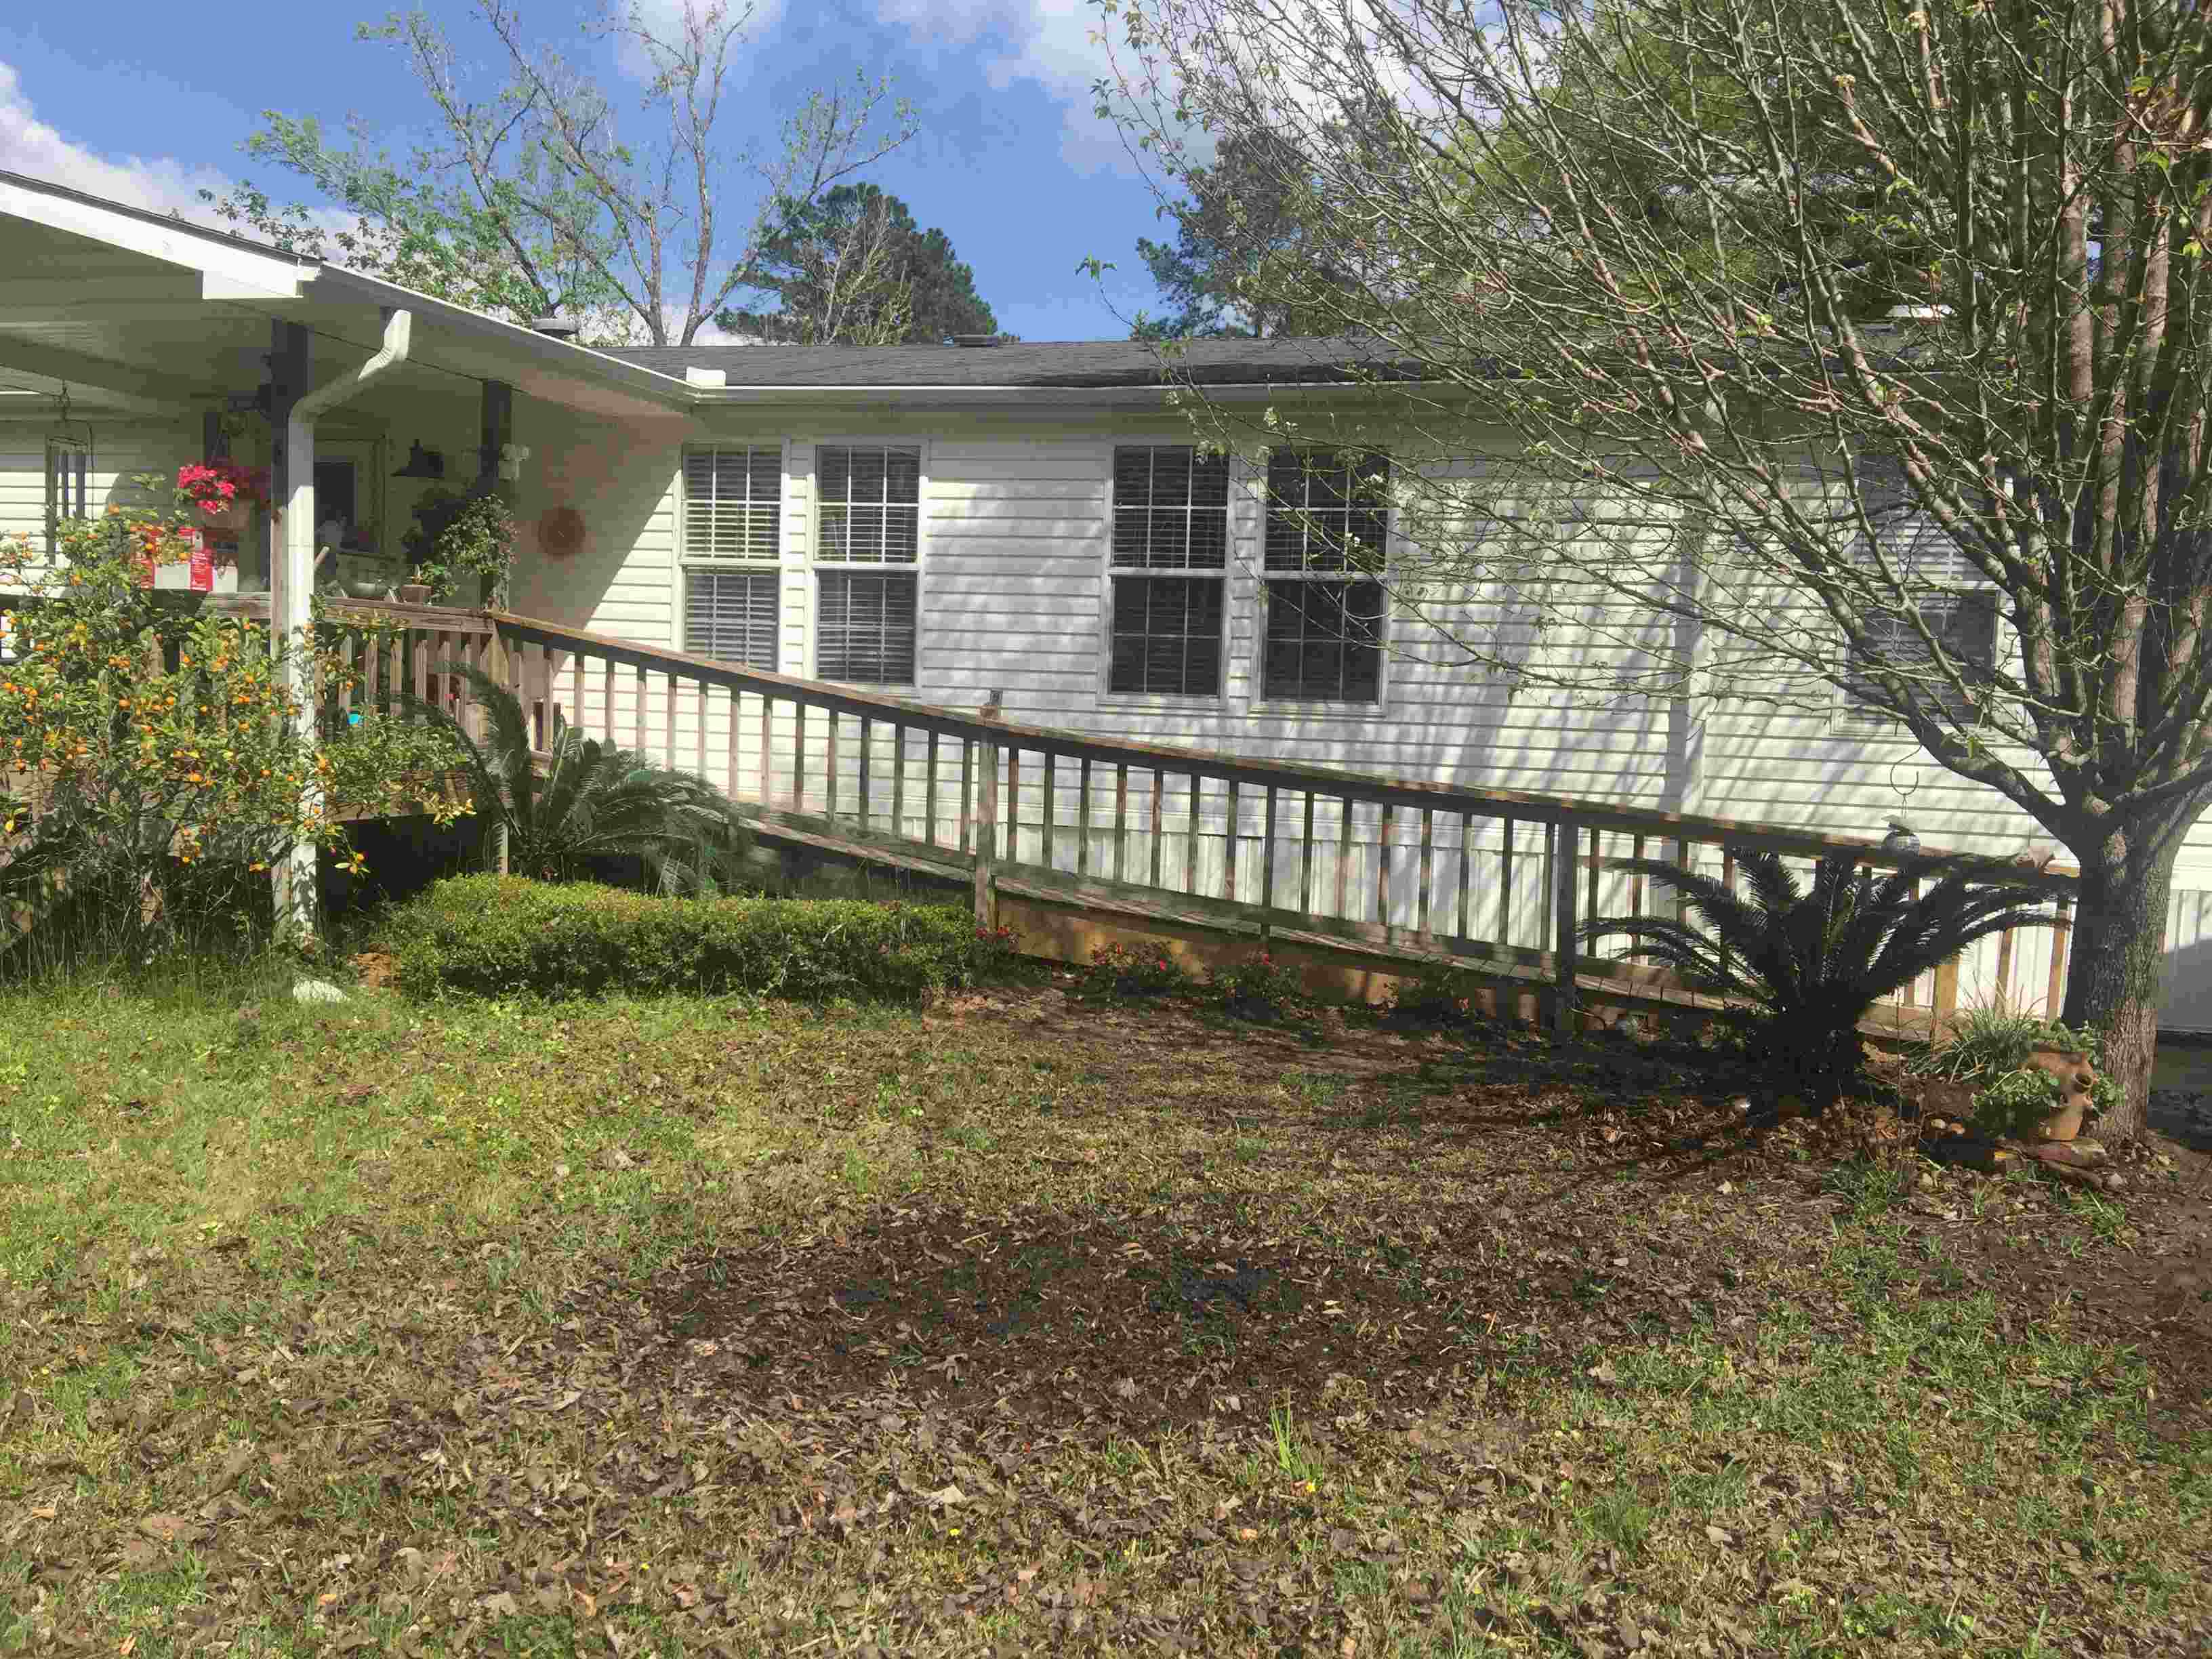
x,y
422,462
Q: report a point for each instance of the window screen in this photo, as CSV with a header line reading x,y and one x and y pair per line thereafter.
x,y
869,506
732,545
732,616
733,505
1326,539
1963,619
866,628
1170,513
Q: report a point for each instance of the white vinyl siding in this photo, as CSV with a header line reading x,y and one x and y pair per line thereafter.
x,y
866,557
732,553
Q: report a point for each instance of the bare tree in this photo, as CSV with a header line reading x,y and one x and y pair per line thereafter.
x,y
539,192
1846,348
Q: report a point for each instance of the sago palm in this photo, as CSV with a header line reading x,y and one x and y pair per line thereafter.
x,y
1804,964
588,802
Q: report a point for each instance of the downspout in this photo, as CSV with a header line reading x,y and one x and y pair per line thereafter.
x,y
293,620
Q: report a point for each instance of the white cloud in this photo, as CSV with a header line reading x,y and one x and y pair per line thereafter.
x,y
31,146
664,20
1055,44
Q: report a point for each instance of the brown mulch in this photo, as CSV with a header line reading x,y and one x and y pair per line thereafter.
x,y
1148,1315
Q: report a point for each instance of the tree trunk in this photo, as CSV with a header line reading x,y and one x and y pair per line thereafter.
x,y
2114,982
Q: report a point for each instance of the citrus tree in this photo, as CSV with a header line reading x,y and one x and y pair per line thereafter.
x,y
152,762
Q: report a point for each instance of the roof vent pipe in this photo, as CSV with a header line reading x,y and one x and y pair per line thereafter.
x,y
555,328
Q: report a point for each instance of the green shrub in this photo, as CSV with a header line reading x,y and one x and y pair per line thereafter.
x,y
1131,970
1984,1044
505,936
2018,1102
1258,982
1438,999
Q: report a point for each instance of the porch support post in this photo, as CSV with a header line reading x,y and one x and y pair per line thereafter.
x,y
291,615
290,362
497,432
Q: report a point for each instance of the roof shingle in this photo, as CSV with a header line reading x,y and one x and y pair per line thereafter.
x,y
1071,363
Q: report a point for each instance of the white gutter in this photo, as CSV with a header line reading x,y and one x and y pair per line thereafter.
x,y
291,601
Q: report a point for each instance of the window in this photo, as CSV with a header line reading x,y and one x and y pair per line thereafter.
x,y
869,514
733,552
1170,513
1966,626
1326,533
69,479
1959,609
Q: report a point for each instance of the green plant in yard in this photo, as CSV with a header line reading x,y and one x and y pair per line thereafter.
x,y
1436,998
1803,964
162,763
503,936
2016,1102
1135,971
593,804
1986,1043
1258,984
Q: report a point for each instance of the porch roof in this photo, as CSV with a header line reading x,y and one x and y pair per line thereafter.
x,y
136,312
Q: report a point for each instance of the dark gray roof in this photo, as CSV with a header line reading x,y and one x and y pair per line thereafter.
x,y
1035,363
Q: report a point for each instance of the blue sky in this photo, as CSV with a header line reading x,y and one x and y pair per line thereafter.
x,y
1012,163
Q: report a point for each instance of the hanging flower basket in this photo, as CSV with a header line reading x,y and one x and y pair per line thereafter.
x,y
224,493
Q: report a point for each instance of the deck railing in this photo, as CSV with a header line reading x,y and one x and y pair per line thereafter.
x,y
1496,880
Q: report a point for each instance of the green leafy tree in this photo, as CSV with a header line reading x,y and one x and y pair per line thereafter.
x,y
854,268
534,198
586,805
1633,265
1241,213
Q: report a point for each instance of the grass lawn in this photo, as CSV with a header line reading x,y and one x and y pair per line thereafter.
x,y
1025,1326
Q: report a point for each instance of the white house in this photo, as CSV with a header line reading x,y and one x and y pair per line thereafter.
x,y
947,522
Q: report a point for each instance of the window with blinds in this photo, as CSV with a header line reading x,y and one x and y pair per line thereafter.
x,y
868,512
69,486
733,549
1326,539
1170,513
1958,608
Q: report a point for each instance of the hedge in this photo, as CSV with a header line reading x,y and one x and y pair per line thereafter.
x,y
505,936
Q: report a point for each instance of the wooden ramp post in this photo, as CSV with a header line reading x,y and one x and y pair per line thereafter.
x,y
1565,1000
987,825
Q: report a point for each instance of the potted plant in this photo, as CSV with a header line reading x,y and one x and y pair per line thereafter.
x,y
223,492
462,541
2016,1074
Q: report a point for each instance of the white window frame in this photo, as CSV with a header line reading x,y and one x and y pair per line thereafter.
x,y
1108,696
689,558
59,485
817,566
1315,707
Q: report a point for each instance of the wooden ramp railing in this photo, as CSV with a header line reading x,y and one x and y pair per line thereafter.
x,y
1493,881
